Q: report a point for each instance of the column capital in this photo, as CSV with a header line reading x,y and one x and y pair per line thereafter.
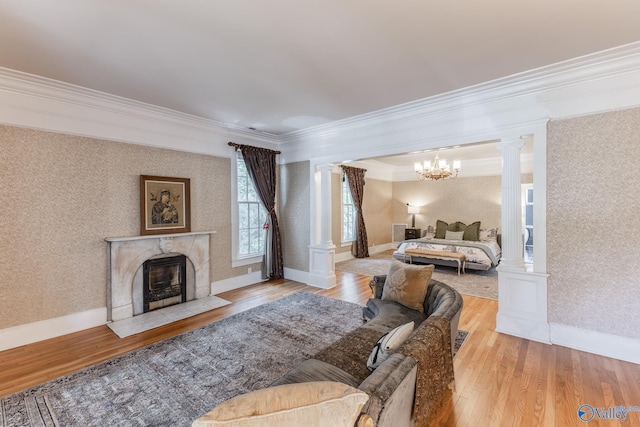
x,y
513,143
324,167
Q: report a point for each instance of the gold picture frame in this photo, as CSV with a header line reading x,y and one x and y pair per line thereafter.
x,y
164,205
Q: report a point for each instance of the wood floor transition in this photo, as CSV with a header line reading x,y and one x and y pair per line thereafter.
x,y
500,380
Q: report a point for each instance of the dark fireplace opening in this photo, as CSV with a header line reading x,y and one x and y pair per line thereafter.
x,y
165,282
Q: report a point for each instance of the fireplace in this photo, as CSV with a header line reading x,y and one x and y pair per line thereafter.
x,y
165,282
127,255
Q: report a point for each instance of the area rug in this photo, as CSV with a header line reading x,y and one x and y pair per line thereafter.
x,y
175,381
482,284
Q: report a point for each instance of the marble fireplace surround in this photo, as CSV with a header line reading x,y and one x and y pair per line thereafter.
x,y
128,254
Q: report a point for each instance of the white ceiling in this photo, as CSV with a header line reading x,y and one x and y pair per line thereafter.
x,y
481,159
283,65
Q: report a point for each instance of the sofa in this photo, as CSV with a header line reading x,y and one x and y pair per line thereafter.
x,y
413,381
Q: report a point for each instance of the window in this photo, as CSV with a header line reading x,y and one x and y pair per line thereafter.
x,y
527,216
348,213
251,215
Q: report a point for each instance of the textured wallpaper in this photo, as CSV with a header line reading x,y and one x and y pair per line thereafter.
x,y
460,199
64,194
295,219
593,236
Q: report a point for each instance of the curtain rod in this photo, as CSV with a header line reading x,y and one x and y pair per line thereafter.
x,y
240,147
351,167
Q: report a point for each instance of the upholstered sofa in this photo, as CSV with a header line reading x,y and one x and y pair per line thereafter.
x,y
411,384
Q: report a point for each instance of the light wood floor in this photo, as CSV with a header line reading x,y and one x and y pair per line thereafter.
x,y
500,380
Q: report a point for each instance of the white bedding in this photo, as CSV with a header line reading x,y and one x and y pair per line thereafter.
x,y
486,252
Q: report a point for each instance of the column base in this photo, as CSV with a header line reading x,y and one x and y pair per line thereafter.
x,y
322,266
522,304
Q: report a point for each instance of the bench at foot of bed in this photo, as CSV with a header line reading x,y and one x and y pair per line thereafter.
x,y
448,256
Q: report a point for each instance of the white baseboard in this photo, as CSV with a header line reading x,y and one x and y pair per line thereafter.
x,y
45,329
297,275
345,256
523,327
236,282
608,345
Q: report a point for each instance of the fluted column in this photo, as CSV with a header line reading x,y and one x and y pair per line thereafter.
x,y
325,204
512,249
322,251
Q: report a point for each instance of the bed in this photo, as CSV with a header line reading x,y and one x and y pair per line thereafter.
x,y
481,249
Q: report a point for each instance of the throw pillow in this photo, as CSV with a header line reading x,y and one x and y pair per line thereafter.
x,y
454,235
471,231
429,233
319,403
442,227
488,234
407,284
387,343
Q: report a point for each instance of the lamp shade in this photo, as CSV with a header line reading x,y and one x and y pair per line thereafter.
x,y
413,209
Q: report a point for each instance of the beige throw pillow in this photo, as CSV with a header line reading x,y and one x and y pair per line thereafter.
x,y
407,284
312,404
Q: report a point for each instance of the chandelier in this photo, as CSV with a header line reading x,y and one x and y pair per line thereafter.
x,y
438,170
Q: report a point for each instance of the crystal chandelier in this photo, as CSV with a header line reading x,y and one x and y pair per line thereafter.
x,y
438,170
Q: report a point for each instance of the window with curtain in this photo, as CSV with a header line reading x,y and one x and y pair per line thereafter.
x,y
348,214
251,215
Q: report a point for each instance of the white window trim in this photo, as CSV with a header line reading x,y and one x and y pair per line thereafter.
x,y
345,243
236,260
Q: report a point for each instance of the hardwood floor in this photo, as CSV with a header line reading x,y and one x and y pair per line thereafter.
x,y
500,380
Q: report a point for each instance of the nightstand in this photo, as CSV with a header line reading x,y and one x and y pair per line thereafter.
x,y
412,233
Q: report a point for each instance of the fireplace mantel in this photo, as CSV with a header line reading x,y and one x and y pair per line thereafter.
x,y
128,254
156,236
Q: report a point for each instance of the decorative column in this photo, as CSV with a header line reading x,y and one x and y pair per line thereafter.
x,y
325,205
512,248
322,251
522,295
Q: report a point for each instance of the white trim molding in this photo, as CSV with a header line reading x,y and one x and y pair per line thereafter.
x,y
236,282
322,266
522,304
598,82
36,102
296,275
608,345
51,328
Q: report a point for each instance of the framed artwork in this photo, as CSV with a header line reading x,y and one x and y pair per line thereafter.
x,y
164,205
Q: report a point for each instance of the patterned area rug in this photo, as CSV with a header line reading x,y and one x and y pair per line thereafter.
x,y
482,284
173,382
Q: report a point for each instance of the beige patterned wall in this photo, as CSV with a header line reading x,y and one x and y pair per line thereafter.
x,y
294,218
459,199
593,236
64,194
377,211
376,207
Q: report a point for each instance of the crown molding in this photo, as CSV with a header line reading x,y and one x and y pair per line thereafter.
x,y
598,82
41,103
505,107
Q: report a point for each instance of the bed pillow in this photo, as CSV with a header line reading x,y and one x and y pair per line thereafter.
x,y
407,284
488,234
310,404
471,231
442,227
429,233
453,235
